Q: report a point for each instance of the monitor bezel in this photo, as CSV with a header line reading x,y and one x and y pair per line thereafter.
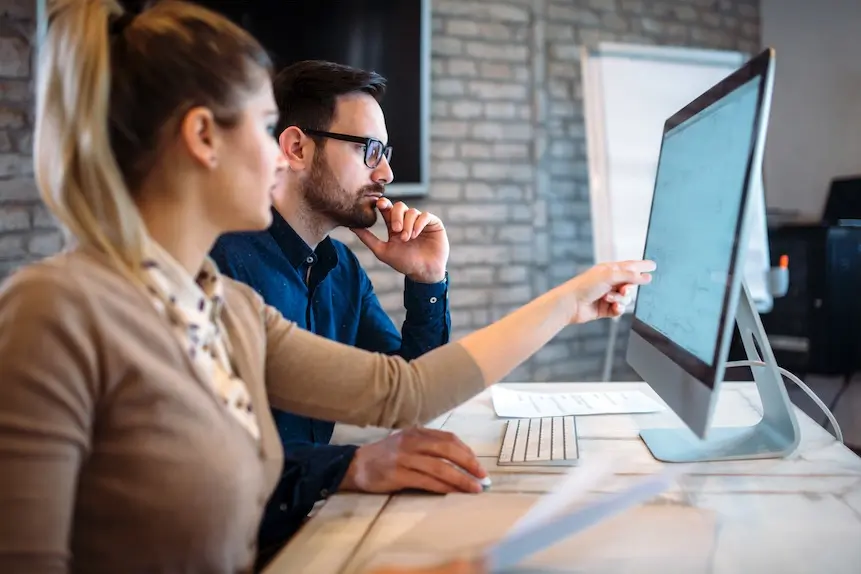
x,y
709,374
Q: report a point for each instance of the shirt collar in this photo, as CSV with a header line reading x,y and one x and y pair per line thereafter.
x,y
298,252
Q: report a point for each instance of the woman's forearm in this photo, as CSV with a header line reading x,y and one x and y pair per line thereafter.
x,y
319,378
312,376
499,348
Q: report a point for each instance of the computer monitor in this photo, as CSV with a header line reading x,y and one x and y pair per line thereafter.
x,y
708,170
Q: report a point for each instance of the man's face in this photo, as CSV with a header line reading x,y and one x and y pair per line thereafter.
x,y
340,185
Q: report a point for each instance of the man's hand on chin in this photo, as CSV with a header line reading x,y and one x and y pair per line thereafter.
x,y
416,458
417,244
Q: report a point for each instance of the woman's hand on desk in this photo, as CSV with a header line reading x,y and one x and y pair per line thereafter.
x,y
455,567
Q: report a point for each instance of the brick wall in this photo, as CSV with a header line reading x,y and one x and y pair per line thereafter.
x,y
26,232
509,152
509,167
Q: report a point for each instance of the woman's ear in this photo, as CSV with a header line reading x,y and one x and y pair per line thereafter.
x,y
199,134
298,149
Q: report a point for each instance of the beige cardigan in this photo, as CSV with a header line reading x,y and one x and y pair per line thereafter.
x,y
116,456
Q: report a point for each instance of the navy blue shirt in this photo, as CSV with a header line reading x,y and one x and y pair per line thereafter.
x,y
337,302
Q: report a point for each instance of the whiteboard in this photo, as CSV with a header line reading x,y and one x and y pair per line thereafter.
x,y
629,91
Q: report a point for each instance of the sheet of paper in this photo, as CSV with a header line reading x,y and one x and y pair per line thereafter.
x,y
574,486
526,404
603,534
516,547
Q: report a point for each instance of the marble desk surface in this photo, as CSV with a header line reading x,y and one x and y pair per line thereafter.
x,y
797,514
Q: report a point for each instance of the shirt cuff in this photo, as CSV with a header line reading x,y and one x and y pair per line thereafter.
x,y
322,468
310,473
426,298
340,468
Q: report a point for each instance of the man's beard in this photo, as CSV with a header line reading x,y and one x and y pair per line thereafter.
x,y
325,196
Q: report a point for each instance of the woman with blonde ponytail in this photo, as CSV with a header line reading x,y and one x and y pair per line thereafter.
x,y
135,380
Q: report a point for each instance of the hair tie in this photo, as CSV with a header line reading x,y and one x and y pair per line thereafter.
x,y
118,25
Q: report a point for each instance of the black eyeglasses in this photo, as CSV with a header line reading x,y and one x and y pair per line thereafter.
x,y
374,148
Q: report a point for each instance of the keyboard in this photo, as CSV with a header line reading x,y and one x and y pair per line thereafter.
x,y
545,441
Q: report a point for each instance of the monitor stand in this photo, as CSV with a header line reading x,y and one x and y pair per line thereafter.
x,y
776,435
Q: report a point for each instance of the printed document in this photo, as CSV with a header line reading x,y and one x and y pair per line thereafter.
x,y
526,404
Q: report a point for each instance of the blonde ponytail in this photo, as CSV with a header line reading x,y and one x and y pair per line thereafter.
x,y
107,101
76,171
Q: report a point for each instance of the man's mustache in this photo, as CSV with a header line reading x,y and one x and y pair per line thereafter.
x,y
373,188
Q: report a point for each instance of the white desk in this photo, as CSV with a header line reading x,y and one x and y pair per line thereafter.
x,y
800,514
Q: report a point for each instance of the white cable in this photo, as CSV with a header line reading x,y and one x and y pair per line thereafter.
x,y
802,386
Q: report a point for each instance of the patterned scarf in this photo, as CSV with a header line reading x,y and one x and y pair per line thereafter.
x,y
193,307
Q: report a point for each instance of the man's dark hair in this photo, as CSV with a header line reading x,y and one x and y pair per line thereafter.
x,y
305,92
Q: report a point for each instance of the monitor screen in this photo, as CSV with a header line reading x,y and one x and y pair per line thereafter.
x,y
700,184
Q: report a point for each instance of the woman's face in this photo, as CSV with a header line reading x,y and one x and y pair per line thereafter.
x,y
249,166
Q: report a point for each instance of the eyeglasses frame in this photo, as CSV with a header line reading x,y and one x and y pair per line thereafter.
x,y
366,142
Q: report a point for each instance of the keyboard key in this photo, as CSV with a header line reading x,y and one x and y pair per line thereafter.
x,y
507,449
533,443
571,450
558,435
544,444
520,442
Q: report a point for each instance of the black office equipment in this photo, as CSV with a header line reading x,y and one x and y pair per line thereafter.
x,y
816,327
843,206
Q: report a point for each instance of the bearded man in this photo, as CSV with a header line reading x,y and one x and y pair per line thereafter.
x,y
333,135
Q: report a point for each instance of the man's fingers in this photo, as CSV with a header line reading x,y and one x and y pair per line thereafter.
x,y
445,445
367,237
406,221
396,217
384,204
410,217
442,471
406,477
423,220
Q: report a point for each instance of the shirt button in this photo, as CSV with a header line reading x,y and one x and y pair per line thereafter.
x,y
283,507
324,493
433,299
310,259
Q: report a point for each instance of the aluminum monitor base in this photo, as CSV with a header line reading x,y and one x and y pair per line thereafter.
x,y
776,435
